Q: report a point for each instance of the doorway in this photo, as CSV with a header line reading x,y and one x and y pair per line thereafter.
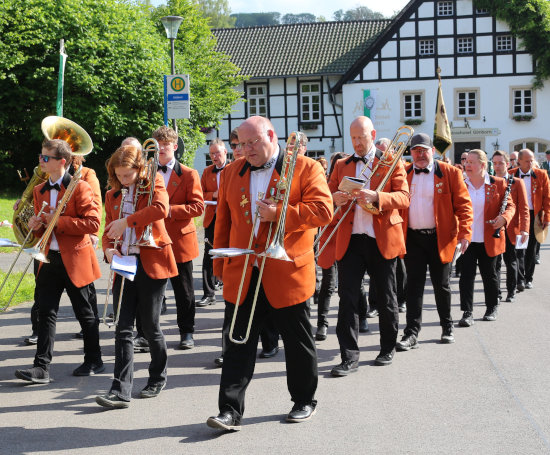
x,y
461,147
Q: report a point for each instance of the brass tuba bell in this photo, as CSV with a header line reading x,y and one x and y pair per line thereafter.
x,y
79,140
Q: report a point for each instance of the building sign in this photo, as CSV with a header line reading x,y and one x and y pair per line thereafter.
x,y
475,132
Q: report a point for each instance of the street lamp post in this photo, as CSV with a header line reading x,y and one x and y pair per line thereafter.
x,y
171,25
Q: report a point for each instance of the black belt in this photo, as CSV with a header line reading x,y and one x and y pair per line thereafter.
x,y
424,231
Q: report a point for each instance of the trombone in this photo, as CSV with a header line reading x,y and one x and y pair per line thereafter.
x,y
275,249
389,159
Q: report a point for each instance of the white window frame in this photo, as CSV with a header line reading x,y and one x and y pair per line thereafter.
x,y
540,145
255,94
310,107
471,99
445,8
527,102
504,43
465,45
416,112
426,47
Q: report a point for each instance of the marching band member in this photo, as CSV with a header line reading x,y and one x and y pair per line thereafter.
x,y
487,195
518,226
368,243
186,202
439,217
284,286
210,182
144,294
72,263
537,184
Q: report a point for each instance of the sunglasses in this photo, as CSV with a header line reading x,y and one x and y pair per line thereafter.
x,y
46,158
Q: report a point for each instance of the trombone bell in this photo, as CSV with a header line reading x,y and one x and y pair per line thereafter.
x,y
78,139
37,254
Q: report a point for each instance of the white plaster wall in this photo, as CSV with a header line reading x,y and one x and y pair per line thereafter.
x,y
407,30
407,48
484,44
464,7
426,28
445,46
389,50
464,26
426,9
276,86
371,71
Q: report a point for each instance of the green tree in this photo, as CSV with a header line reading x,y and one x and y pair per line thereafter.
x,y
528,20
118,52
361,13
256,19
218,13
303,18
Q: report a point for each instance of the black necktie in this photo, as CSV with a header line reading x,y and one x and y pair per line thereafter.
x,y
48,186
217,169
525,175
419,171
359,158
163,169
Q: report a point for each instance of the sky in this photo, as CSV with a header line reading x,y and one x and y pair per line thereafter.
x,y
318,7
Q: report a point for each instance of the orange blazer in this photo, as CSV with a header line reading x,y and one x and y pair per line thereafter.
x,y
494,193
209,184
452,208
80,218
309,207
89,176
387,224
520,221
185,194
540,192
158,263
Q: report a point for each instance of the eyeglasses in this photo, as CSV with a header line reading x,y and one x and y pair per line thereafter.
x,y
234,145
250,144
463,159
46,158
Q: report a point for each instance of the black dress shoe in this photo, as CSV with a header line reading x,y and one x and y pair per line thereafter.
x,y
345,368
205,301
491,314
88,369
384,359
363,326
152,391
372,314
407,343
141,344
269,354
35,375
31,340
110,400
467,319
187,341
218,361
520,287
447,336
510,297
321,333
224,421
301,412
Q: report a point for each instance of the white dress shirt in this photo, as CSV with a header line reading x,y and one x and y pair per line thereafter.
x,y
129,236
169,168
527,183
478,204
259,181
421,209
362,220
53,203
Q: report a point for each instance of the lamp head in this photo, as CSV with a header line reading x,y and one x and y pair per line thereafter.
x,y
171,25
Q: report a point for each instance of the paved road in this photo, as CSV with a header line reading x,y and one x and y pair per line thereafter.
x,y
487,393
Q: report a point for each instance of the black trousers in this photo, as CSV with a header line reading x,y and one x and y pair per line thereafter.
x,y
531,251
512,259
208,282
240,359
184,293
401,280
363,255
143,296
423,253
51,282
328,285
476,255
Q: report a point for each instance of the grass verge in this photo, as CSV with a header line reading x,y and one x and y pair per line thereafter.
x,y
25,293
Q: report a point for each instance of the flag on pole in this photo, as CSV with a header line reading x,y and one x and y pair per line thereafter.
x,y
61,78
442,130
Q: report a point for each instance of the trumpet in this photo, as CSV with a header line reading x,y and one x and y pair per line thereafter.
x,y
275,249
390,159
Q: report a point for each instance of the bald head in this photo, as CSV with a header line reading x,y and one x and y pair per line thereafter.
x,y
258,139
132,141
362,135
526,160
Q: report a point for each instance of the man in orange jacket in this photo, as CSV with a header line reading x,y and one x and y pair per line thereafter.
x,y
284,286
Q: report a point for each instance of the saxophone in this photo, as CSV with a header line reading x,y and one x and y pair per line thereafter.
x,y
25,210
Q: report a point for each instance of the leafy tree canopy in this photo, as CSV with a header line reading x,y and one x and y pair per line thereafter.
x,y
217,12
356,14
256,19
118,52
528,20
303,18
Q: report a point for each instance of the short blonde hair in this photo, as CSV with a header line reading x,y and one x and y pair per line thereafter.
x,y
481,155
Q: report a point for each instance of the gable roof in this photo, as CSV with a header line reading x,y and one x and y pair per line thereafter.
x,y
377,44
313,49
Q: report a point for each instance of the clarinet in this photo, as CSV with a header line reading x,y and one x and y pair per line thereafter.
x,y
496,234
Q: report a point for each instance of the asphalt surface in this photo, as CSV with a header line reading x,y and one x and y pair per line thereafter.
x,y
488,393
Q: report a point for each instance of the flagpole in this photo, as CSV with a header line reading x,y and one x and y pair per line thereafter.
x,y
442,131
61,78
